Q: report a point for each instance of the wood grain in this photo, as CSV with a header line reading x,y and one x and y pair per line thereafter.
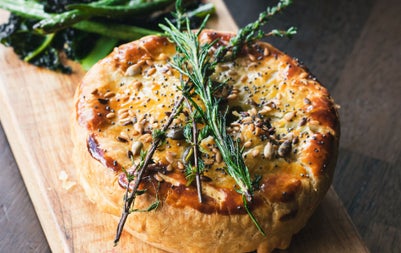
x,y
34,109
35,117
329,230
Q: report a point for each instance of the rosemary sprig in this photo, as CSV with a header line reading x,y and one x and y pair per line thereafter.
x,y
191,134
139,170
193,61
195,150
253,31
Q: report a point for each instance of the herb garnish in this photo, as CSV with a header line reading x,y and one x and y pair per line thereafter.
x,y
253,31
192,137
193,61
196,65
82,30
129,199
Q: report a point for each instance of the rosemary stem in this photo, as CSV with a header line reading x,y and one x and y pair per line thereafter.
x,y
130,199
195,149
220,142
120,226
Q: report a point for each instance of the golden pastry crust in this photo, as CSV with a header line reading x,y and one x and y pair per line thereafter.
x,y
286,121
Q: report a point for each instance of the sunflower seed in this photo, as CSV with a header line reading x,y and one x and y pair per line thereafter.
x,y
255,152
109,94
137,85
136,147
289,116
158,177
134,69
110,115
285,148
268,150
248,144
170,156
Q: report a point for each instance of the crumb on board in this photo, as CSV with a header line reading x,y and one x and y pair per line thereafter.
x,y
66,184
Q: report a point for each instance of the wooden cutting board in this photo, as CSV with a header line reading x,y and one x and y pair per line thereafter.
x,y
35,106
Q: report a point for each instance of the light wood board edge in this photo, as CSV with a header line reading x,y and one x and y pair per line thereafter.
x,y
31,174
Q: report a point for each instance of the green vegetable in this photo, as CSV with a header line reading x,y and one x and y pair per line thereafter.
x,y
102,8
39,31
26,9
202,11
99,51
115,30
115,11
40,50
48,39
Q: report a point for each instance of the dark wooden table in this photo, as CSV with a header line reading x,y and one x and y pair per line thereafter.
x,y
354,48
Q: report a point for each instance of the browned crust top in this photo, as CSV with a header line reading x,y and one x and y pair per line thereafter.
x,y
128,94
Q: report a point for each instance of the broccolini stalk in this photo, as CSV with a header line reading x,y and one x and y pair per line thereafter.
x,y
49,38
102,8
32,10
103,46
